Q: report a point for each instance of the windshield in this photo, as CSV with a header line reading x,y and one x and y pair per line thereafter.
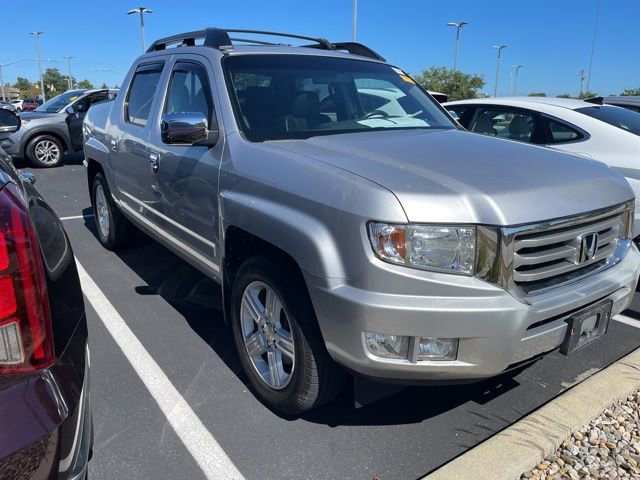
x,y
299,96
616,116
57,103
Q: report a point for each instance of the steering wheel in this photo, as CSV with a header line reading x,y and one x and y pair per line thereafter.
x,y
376,113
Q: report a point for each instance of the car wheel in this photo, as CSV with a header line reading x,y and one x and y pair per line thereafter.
x,y
45,151
278,339
113,229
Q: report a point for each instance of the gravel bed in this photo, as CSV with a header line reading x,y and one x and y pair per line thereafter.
x,y
607,448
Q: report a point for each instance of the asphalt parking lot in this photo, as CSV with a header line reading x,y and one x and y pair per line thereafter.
x,y
174,313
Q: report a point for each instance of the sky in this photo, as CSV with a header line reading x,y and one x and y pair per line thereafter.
x,y
553,39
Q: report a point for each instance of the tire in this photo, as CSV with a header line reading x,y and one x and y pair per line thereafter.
x,y
45,151
114,231
283,355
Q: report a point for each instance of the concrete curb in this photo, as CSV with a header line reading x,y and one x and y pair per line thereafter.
x,y
521,446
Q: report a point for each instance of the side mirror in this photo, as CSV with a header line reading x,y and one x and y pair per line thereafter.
x,y
454,114
9,121
70,110
188,128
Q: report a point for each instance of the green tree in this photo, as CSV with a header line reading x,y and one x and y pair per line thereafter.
x,y
23,85
457,85
587,94
85,84
631,91
54,82
564,95
104,85
537,94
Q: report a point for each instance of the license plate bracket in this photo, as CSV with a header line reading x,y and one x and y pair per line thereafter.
x,y
586,325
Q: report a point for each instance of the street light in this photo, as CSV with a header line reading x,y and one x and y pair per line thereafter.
x,y
141,11
515,80
458,26
500,48
70,79
355,19
37,35
2,79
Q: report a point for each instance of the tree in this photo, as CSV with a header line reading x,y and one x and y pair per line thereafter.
x,y
564,95
631,92
537,94
54,82
456,84
104,85
85,84
23,85
587,94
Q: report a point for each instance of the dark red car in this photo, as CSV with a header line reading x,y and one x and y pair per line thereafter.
x,y
29,105
46,430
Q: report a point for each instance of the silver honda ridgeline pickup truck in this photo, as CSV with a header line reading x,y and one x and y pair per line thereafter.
x,y
353,226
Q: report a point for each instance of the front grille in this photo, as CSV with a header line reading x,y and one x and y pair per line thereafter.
x,y
546,257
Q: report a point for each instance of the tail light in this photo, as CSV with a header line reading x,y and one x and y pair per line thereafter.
x,y
26,338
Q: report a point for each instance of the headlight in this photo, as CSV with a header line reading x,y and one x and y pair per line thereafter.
x,y
440,248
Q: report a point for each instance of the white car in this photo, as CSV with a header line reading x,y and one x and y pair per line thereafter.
x,y
606,133
18,104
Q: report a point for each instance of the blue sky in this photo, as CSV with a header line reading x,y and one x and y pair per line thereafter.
x,y
552,39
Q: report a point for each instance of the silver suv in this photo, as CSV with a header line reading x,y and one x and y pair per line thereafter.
x,y
352,225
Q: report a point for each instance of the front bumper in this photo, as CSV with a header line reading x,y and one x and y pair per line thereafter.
x,y
495,329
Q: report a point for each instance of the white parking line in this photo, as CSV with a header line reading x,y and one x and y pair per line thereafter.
x,y
205,450
77,217
627,320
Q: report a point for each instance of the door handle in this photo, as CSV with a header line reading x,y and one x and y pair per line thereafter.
x,y
114,144
154,162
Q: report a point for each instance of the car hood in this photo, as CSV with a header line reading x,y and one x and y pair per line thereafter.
x,y
37,115
452,176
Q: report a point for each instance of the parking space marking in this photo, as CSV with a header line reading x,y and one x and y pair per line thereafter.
x,y
77,217
197,439
632,322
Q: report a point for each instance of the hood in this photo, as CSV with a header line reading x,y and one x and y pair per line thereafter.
x,y
452,176
36,115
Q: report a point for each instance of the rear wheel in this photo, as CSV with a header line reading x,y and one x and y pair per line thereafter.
x,y
45,151
113,229
278,339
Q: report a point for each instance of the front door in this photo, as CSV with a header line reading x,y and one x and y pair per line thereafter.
x,y
186,176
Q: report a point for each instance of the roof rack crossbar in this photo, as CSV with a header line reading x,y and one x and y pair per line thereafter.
x,y
219,38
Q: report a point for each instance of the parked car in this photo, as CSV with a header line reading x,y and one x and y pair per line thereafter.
x,y
18,104
7,106
45,414
629,102
30,104
348,237
54,128
603,132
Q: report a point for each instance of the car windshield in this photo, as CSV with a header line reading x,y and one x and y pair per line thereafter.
x,y
300,96
57,103
618,117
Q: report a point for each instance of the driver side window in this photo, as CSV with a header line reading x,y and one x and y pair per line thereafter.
x,y
189,91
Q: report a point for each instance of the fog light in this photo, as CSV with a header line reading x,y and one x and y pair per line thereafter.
x,y
387,346
437,348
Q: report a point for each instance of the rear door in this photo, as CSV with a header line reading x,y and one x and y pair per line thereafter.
x,y
185,180
75,119
128,141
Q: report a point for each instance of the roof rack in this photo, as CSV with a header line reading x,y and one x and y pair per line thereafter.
x,y
219,39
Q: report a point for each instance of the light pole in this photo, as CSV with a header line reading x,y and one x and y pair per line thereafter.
x,y
141,11
37,35
355,19
2,79
458,26
582,77
499,48
70,79
515,79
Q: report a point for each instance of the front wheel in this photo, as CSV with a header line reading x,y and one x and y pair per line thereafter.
x,y
45,151
278,339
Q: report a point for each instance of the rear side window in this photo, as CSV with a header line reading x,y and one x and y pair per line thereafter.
x,y
141,93
561,133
